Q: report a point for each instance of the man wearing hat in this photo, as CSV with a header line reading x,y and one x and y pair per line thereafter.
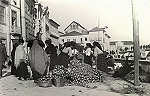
x,y
3,56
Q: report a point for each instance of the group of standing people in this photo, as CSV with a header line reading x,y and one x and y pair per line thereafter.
x,y
96,56
30,59
41,57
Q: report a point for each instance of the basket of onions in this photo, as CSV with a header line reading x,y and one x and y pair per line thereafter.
x,y
45,81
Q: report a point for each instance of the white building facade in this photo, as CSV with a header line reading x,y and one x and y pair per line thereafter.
x,y
75,32
54,33
46,26
101,36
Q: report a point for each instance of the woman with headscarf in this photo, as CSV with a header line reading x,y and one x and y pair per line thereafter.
x,y
88,54
63,57
38,60
20,65
100,57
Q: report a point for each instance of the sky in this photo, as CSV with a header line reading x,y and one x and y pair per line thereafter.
x,y
116,14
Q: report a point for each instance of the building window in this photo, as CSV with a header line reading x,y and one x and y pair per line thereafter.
x,y
14,18
68,40
85,39
74,40
2,14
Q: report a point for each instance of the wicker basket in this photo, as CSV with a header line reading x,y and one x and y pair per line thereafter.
x,y
59,82
45,83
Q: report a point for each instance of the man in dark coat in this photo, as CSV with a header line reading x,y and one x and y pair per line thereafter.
x,y
3,56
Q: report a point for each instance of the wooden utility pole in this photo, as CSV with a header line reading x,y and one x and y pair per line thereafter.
x,y
20,18
136,41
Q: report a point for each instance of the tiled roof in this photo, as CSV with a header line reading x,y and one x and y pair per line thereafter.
x,y
73,33
61,32
50,20
95,29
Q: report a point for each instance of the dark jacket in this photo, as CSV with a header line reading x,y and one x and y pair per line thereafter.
x,y
3,53
51,49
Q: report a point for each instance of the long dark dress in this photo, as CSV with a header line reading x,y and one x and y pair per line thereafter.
x,y
101,63
52,52
22,71
88,59
13,68
63,59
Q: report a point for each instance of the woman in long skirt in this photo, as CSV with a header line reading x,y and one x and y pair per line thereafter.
x,y
88,54
100,57
63,57
20,65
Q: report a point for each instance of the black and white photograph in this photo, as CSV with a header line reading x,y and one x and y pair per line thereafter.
x,y
74,48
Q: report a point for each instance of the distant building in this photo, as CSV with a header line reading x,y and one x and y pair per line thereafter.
x,y
46,26
75,32
121,46
54,33
74,26
100,35
60,34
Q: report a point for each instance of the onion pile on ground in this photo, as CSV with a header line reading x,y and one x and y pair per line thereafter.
x,y
82,74
79,74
